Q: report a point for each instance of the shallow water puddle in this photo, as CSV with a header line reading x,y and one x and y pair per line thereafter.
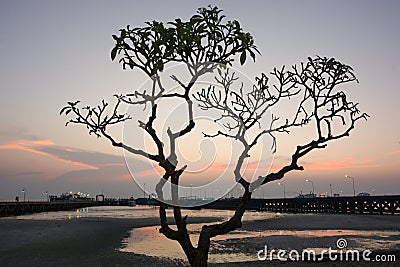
x,y
148,241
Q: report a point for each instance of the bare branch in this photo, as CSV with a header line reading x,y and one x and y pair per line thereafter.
x,y
319,78
315,83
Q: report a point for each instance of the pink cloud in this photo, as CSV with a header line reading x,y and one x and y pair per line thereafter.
x,y
111,164
126,176
31,146
222,166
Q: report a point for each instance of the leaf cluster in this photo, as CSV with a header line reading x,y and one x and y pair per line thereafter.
x,y
205,37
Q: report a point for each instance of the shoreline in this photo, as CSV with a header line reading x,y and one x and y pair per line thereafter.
x,y
74,242
95,241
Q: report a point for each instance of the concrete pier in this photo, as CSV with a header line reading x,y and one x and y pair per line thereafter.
x,y
18,208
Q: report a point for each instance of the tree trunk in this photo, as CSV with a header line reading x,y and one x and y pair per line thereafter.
x,y
201,257
200,260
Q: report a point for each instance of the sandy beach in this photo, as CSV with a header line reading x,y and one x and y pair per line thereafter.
x,y
75,242
96,241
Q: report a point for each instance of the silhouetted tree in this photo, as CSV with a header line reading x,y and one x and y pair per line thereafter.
x,y
204,43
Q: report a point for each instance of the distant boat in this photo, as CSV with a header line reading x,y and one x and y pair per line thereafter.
x,y
306,195
131,202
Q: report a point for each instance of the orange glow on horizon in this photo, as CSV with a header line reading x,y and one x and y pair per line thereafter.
x,y
342,164
249,168
111,165
156,170
392,153
349,163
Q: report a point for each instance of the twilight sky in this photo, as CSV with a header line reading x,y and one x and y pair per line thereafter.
x,y
52,52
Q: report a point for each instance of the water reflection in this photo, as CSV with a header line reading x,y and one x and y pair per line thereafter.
x,y
133,212
104,212
144,240
242,246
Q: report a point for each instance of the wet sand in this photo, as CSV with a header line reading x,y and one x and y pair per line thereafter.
x,y
380,234
96,241
74,242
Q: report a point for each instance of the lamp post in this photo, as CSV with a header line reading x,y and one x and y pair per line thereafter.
x,y
284,189
312,183
354,189
47,196
144,190
24,192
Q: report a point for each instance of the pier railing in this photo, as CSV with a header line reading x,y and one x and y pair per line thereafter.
x,y
343,205
350,205
9,208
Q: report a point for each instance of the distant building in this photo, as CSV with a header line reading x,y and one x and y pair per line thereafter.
x,y
364,194
71,197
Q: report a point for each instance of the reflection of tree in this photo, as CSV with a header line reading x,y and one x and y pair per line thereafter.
x,y
203,43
